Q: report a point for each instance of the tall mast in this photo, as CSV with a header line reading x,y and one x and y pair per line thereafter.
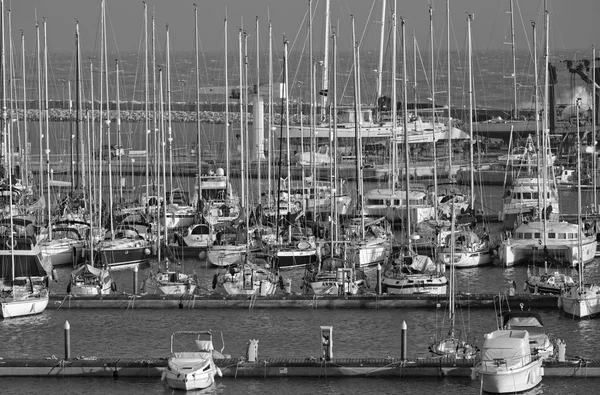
x,y
448,87
311,65
25,132
381,39
170,138
432,66
357,131
514,61
325,70
287,121
119,134
40,99
146,104
270,132
107,122
405,128
226,35
472,194
394,100
198,139
4,108
241,98
259,145
80,180
594,124
46,117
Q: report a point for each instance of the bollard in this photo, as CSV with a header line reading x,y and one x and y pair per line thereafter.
x,y
326,343
403,342
135,279
67,340
287,286
379,291
562,349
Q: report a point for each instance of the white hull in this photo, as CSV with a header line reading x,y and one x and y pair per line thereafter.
x,y
369,252
581,304
259,287
225,255
465,259
334,287
192,371
152,288
513,252
29,305
412,284
512,380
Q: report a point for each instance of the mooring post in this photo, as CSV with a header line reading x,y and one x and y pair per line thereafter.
x,y
135,279
379,279
67,340
403,342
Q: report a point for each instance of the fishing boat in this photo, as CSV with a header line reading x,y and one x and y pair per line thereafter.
x,y
88,280
539,341
23,278
164,280
191,370
507,365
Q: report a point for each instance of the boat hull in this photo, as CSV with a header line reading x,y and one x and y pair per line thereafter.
x,y
415,284
288,259
31,305
513,380
464,259
580,304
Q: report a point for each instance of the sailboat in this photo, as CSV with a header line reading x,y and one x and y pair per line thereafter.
x,y
411,273
543,237
580,301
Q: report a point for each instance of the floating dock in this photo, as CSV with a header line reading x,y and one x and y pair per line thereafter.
x,y
276,367
367,301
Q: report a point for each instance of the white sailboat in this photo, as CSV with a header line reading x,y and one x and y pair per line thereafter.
x,y
582,300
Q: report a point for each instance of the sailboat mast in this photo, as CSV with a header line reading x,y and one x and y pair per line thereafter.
x,y
405,129
537,112
514,61
357,131
579,222
119,134
241,98
25,132
545,127
394,100
46,117
259,145
432,66
325,69
337,184
40,98
198,139
4,112
287,125
225,34
381,39
170,138
472,184
594,164
146,102
270,131
80,180
448,87
107,122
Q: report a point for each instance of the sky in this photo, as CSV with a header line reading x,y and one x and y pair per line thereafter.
x,y
573,23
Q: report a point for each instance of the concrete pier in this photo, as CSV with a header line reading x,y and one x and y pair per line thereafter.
x,y
220,301
275,367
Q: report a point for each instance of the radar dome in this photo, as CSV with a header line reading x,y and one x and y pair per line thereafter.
x,y
220,171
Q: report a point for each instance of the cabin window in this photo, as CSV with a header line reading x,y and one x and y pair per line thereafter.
x,y
537,235
562,236
535,195
528,236
552,235
526,195
572,236
516,195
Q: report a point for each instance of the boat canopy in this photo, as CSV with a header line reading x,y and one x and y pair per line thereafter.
x,y
506,349
521,319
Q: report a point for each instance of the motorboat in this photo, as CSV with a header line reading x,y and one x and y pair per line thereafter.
x,y
507,365
192,370
539,341
89,280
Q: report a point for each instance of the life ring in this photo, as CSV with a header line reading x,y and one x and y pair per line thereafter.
x,y
215,280
113,286
14,243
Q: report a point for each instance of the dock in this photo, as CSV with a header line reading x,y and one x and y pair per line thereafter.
x,y
365,301
115,368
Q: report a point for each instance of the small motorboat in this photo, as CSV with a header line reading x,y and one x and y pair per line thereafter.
x,y
539,341
192,370
507,365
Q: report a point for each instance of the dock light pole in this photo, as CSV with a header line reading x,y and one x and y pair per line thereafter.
x,y
67,340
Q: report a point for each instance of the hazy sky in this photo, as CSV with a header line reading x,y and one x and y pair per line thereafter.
x,y
573,23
